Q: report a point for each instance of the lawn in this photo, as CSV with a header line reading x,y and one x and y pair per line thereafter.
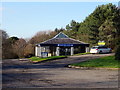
x,y
37,59
104,62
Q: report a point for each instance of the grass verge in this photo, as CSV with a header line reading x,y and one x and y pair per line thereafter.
x,y
38,59
103,62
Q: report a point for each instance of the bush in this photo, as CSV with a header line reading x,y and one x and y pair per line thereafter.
x,y
117,53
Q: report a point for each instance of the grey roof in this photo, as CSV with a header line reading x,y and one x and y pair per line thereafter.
x,y
61,38
62,41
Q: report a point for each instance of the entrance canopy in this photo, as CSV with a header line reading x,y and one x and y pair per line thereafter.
x,y
61,44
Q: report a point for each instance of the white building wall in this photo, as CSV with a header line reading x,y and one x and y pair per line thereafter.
x,y
38,51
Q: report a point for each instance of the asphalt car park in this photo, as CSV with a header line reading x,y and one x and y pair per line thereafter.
x,y
54,74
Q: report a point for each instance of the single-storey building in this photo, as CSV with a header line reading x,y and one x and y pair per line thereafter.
x,y
59,45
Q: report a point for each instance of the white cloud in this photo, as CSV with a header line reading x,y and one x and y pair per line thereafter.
x,y
1,8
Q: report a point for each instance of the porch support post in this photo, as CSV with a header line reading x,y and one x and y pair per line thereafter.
x,y
72,51
87,49
57,51
38,51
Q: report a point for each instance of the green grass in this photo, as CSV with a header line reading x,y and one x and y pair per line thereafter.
x,y
104,62
47,58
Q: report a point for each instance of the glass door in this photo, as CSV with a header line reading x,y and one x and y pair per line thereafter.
x,y
65,51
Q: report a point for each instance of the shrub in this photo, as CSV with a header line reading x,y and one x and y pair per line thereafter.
x,y
117,53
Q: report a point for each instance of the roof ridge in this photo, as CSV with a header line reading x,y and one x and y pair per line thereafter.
x,y
54,37
45,41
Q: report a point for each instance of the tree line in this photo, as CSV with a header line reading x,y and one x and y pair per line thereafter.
x,y
103,24
14,47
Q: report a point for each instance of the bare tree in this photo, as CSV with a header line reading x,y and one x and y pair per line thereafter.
x,y
29,50
19,47
42,36
7,51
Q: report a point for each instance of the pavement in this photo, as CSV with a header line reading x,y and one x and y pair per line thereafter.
x,y
54,74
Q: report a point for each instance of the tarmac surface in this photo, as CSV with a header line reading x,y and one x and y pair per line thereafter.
x,y
55,74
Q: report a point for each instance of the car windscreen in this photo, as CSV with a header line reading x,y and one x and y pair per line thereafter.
x,y
94,48
102,47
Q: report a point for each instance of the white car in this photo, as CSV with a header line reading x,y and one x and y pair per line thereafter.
x,y
100,49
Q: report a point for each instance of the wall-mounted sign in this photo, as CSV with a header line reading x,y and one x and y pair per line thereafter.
x,y
101,43
67,45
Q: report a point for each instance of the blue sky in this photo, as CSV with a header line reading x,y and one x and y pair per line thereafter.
x,y
25,19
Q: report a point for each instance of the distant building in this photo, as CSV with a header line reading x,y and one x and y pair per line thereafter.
x,y
59,45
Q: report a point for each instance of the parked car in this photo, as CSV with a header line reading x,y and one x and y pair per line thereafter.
x,y
100,49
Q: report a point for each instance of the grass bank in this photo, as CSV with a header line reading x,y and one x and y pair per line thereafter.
x,y
38,59
103,62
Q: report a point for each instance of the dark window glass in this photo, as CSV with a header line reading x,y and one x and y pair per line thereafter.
x,y
94,47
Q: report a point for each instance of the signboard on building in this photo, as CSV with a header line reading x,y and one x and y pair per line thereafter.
x,y
65,45
101,43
